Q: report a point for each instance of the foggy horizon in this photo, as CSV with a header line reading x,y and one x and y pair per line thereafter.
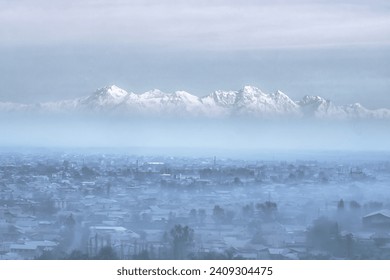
x,y
226,134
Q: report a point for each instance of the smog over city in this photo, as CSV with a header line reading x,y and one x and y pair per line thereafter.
x,y
200,130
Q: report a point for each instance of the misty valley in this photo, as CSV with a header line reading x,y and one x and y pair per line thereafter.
x,y
122,205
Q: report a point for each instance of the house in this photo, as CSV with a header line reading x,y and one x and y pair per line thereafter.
x,y
378,220
31,249
116,237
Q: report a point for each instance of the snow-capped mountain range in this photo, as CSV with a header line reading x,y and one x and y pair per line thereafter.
x,y
247,102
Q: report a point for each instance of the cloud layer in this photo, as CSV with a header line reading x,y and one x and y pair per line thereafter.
x,y
231,25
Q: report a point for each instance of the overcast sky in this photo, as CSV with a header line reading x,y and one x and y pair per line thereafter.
x,y
51,49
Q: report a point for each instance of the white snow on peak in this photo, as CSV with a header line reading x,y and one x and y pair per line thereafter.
x,y
107,97
116,92
155,93
249,101
221,98
308,99
184,94
250,90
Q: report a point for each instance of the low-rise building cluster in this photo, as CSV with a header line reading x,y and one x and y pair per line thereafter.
x,y
99,206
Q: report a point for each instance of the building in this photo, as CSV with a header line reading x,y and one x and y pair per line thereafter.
x,y
377,220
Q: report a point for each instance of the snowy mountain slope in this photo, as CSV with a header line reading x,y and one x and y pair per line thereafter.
x,y
320,108
106,97
316,106
247,102
251,101
178,103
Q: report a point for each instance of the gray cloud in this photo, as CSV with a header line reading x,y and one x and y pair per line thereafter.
x,y
196,24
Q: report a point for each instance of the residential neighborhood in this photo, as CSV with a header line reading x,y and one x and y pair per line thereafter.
x,y
69,205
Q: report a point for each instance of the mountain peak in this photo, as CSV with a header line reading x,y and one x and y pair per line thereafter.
x,y
280,95
250,89
107,96
250,101
309,99
113,91
154,93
